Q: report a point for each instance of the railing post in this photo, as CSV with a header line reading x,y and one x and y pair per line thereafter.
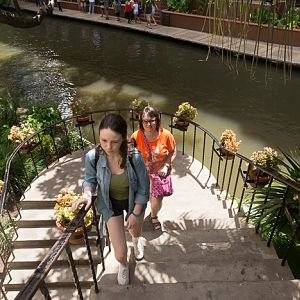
x,y
87,244
278,216
44,290
99,244
73,267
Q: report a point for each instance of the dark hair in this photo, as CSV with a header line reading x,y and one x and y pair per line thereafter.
x,y
153,113
117,124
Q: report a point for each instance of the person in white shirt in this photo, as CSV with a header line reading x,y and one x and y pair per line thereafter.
x,y
92,6
136,12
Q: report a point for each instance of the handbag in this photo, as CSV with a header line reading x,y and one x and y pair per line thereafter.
x,y
160,186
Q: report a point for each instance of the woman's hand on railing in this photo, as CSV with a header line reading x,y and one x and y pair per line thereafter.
x,y
86,199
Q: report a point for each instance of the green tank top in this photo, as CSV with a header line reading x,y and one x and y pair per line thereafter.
x,y
119,186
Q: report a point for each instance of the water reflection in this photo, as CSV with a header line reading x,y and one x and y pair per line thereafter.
x,y
61,59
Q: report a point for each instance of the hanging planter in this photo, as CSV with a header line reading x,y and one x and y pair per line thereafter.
x,y
182,124
226,154
267,158
26,147
64,215
83,119
229,144
137,107
184,114
258,180
77,237
80,108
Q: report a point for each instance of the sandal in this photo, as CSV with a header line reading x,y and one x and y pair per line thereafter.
x,y
155,225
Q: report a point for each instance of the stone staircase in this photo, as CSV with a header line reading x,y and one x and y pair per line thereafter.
x,y
205,250
197,259
37,233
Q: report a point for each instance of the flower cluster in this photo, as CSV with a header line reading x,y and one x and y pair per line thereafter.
x,y
79,107
185,112
1,185
229,142
267,158
63,208
139,104
19,134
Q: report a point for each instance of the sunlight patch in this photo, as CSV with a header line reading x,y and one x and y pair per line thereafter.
x,y
97,87
134,92
7,52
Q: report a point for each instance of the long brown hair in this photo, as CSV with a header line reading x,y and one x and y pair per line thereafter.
x,y
117,124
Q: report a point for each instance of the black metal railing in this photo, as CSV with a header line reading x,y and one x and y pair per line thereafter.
x,y
229,176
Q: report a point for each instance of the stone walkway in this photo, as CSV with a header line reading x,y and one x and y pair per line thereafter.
x,y
247,47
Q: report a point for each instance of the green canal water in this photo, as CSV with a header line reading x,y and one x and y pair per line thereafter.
x,y
62,59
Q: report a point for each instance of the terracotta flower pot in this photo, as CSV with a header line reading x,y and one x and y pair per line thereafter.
x,y
260,181
26,147
136,114
77,237
83,119
182,124
226,154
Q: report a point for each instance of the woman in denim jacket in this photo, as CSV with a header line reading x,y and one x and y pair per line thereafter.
x,y
122,185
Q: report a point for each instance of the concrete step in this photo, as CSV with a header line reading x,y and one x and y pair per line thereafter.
x,y
57,277
266,290
18,265
37,204
43,237
207,242
31,234
36,218
38,214
194,253
248,269
26,258
35,223
58,293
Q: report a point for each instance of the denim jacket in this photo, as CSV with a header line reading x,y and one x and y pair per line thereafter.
x,y
137,177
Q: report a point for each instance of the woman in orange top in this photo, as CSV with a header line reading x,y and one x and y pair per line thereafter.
x,y
163,150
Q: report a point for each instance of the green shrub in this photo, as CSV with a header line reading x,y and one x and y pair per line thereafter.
x,y
179,5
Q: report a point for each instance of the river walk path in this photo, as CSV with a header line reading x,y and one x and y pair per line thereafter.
x,y
262,50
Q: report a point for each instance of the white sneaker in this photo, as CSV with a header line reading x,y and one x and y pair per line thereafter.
x,y
138,248
123,275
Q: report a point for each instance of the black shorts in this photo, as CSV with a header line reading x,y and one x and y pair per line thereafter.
x,y
118,206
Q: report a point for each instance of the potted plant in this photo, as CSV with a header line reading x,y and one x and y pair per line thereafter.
x,y
137,107
184,114
19,133
81,109
229,144
64,214
267,158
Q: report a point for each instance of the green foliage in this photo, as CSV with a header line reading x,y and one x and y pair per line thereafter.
x,y
6,237
265,15
179,5
41,117
185,111
8,114
266,209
